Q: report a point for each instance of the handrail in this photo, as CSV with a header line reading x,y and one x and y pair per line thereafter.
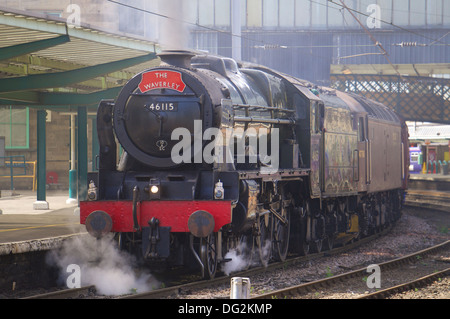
x,y
11,164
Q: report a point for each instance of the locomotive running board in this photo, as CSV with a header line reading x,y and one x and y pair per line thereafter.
x,y
281,174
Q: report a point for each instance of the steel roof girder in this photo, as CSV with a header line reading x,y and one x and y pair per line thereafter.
x,y
26,97
25,48
32,60
50,100
20,21
66,78
85,33
77,99
116,40
28,69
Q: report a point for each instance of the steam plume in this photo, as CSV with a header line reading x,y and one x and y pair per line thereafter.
x,y
101,264
174,34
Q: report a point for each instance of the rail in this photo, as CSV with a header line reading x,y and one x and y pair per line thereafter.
x,y
18,162
292,292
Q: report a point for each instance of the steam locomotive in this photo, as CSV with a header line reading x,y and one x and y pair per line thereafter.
x,y
219,156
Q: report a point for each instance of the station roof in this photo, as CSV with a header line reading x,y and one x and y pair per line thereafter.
x,y
428,131
425,69
47,63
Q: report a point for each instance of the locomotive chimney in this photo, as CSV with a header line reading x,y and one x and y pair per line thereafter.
x,y
179,58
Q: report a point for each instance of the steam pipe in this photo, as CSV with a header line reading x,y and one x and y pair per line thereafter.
x,y
191,245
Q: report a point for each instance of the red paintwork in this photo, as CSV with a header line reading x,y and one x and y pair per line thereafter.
x,y
174,214
161,79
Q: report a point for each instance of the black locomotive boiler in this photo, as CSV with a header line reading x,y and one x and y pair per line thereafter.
x,y
217,155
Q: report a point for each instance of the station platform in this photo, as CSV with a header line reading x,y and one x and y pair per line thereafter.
x,y
23,229
432,182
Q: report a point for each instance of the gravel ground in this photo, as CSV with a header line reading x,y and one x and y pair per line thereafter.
x,y
357,286
438,290
413,232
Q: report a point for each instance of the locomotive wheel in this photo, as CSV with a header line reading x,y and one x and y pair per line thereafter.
x,y
328,242
316,245
208,255
318,237
331,226
264,239
363,220
303,244
282,234
304,248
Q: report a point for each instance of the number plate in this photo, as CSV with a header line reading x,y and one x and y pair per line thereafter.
x,y
162,107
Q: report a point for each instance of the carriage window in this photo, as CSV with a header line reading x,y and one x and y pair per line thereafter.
x,y
300,107
320,116
313,120
361,130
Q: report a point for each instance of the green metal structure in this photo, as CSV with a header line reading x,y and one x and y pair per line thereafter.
x,y
48,64
415,98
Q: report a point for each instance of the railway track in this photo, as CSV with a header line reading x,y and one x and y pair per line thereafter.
x,y
187,289
316,289
414,284
184,290
75,293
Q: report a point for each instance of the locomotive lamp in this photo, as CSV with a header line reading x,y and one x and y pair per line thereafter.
x,y
155,188
92,191
219,192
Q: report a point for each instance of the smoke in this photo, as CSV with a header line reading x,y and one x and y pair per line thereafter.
x,y
101,264
242,257
238,260
173,32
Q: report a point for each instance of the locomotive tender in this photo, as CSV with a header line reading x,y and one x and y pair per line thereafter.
x,y
220,156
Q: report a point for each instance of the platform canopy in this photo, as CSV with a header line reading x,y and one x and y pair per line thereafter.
x,y
47,63
423,69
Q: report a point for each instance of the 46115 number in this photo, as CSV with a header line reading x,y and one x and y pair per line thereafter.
x,y
170,107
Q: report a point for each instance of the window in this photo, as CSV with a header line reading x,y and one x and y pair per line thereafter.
x,y
254,13
434,12
302,13
335,15
417,12
130,19
287,13
319,13
401,12
270,9
222,12
206,12
14,126
361,130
